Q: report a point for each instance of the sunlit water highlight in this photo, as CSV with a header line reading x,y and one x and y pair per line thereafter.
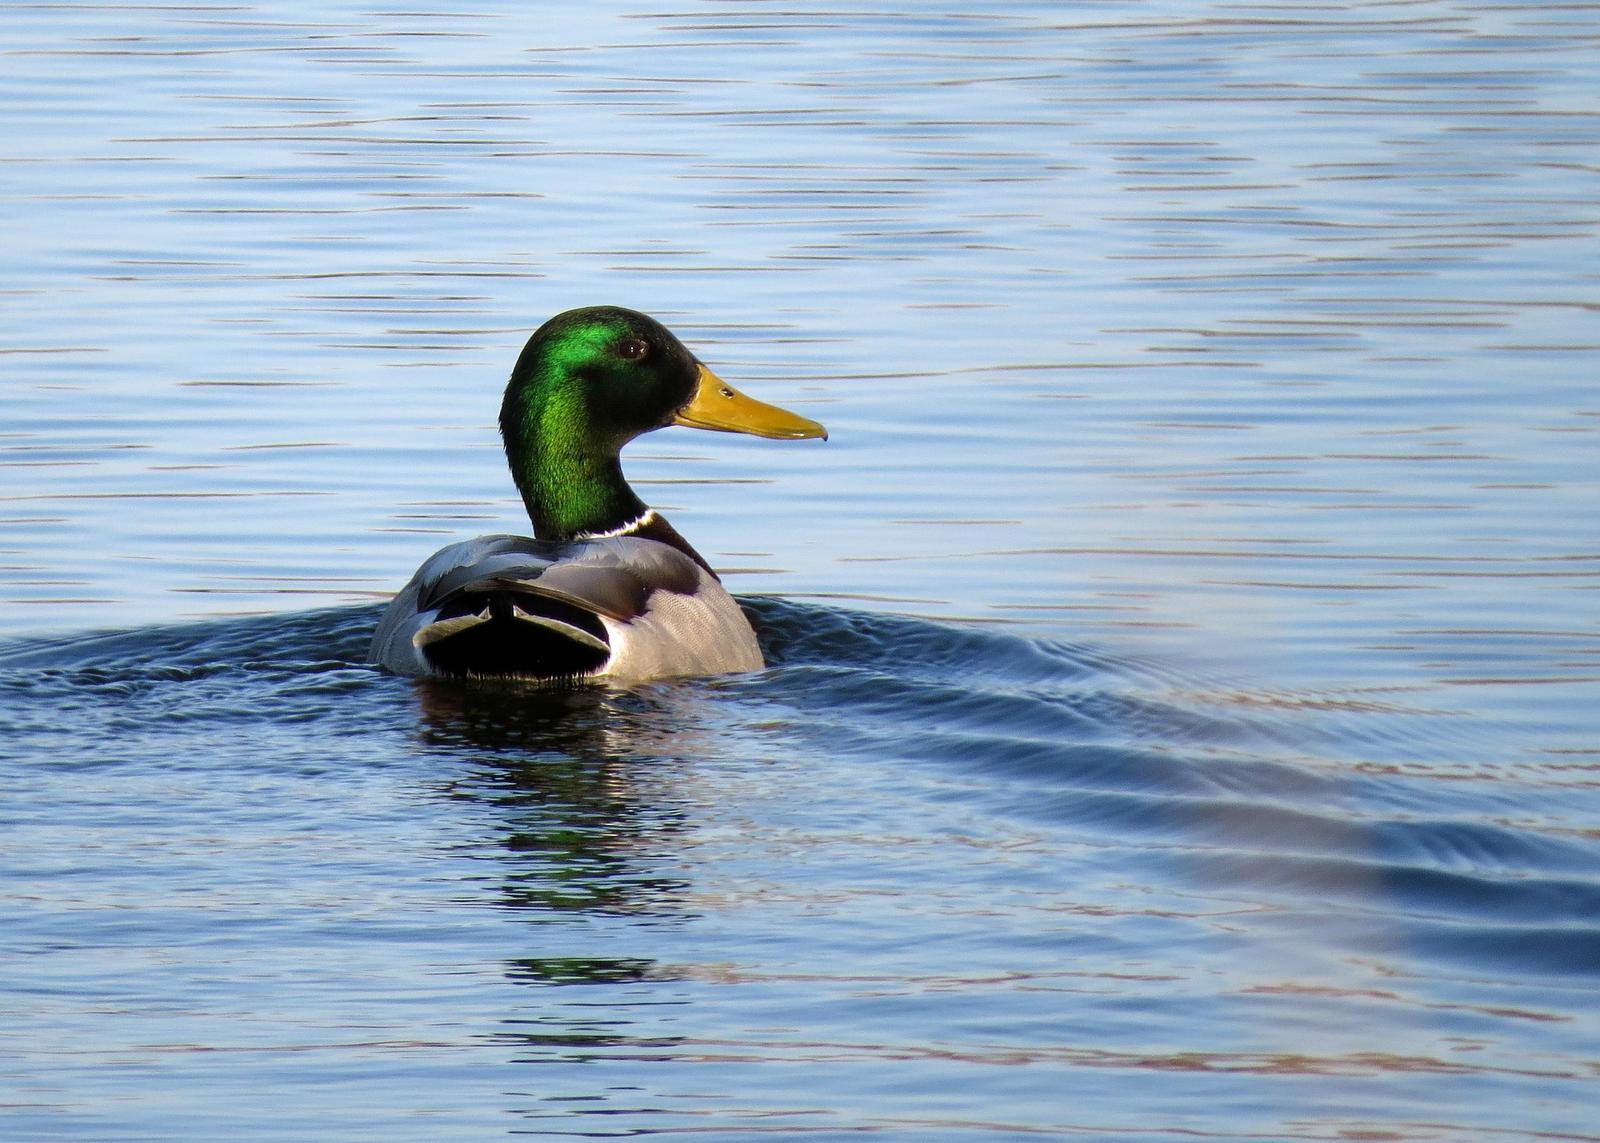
x,y
1181,716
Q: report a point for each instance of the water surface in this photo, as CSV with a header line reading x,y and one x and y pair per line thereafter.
x,y
1181,712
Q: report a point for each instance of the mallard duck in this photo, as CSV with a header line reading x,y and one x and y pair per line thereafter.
x,y
606,587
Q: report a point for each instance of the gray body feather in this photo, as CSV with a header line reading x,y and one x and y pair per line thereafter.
x,y
621,607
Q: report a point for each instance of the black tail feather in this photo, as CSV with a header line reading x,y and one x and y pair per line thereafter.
x,y
505,646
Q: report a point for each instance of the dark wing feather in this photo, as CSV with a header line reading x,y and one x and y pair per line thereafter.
x,y
611,577
618,576
459,566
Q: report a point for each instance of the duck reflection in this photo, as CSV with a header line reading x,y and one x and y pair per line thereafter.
x,y
592,787
592,791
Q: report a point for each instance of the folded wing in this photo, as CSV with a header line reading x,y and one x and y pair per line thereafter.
x,y
514,606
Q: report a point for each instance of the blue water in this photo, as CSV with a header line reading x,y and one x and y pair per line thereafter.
x,y
1182,715
977,885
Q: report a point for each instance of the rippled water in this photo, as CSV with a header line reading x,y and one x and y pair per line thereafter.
x,y
1182,712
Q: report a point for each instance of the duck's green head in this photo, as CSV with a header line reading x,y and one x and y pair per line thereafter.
x,y
588,382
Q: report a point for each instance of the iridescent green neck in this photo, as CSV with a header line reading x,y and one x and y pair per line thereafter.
x,y
565,466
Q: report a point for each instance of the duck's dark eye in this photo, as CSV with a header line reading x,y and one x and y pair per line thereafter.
x,y
632,349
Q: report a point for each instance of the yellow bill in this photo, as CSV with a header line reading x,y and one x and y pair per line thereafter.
x,y
718,405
